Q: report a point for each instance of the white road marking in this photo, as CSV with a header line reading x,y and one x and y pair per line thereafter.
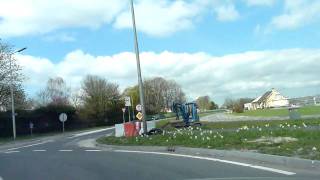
x,y
39,150
9,152
65,150
213,159
1,178
93,150
30,145
90,132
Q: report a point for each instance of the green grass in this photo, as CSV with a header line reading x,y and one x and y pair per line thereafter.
x,y
307,110
239,136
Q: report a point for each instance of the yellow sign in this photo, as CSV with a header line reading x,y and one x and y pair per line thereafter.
x,y
139,116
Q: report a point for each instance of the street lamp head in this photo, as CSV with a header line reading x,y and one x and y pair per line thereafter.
x,y
20,50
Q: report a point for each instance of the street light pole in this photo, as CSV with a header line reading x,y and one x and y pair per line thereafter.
x,y
12,95
136,47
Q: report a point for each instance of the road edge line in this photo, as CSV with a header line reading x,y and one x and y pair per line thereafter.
x,y
279,171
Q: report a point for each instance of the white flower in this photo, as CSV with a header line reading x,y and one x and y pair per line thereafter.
x,y
208,138
195,137
314,149
214,136
167,140
260,129
304,125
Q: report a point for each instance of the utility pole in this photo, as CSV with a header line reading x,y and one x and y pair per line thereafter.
x,y
136,47
12,95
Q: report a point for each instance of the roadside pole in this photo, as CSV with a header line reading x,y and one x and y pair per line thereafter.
x,y
129,113
132,108
136,47
123,111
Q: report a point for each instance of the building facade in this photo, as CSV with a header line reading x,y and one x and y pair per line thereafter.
x,y
270,99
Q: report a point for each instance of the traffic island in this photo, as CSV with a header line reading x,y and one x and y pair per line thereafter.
x,y
298,138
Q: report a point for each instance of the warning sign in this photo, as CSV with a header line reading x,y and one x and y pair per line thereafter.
x,y
139,116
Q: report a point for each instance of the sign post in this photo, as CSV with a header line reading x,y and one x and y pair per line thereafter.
x,y
63,118
123,111
127,102
31,127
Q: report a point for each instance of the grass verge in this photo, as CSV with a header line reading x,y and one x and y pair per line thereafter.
x,y
300,138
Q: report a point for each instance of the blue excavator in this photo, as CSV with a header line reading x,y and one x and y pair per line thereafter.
x,y
188,112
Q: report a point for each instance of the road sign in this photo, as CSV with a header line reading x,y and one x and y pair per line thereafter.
x,y
138,107
31,125
63,117
127,101
139,116
123,109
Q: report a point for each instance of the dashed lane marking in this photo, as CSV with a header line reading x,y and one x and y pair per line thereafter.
x,y
213,159
39,150
65,150
93,150
9,152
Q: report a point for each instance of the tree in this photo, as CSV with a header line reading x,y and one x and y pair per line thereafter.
x,y
228,103
55,93
99,97
161,93
236,105
213,105
10,74
204,103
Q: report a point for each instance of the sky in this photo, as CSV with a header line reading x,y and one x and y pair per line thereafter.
x,y
220,48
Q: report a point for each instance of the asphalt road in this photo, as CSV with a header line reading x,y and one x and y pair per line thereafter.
x,y
63,159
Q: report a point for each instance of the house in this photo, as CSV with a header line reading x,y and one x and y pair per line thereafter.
x,y
252,105
270,99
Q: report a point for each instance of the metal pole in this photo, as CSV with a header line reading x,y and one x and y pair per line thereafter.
x,y
132,108
136,47
123,117
12,95
129,113
12,101
62,126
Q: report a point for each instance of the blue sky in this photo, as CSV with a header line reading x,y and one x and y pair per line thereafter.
x,y
184,36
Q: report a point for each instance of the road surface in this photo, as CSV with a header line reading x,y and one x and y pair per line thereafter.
x,y
74,158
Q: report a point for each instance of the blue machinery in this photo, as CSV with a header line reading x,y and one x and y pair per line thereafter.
x,y
188,112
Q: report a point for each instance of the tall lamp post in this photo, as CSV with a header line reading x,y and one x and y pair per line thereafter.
x,y
12,95
136,48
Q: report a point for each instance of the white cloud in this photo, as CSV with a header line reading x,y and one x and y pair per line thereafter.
x,y
294,71
61,37
226,12
260,2
154,17
296,14
160,17
24,17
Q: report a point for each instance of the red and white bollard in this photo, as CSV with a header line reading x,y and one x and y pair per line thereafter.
x,y
138,127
